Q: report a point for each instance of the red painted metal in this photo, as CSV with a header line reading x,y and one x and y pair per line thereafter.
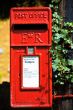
x,y
31,27
63,96
40,21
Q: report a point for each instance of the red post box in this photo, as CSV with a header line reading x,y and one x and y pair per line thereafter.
x,y
31,65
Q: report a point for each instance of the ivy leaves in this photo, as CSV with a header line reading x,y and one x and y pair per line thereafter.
x,y
61,42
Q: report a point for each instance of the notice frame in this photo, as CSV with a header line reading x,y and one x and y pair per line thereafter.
x,y
30,72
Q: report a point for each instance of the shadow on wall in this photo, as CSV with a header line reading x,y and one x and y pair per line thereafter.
x,y
4,95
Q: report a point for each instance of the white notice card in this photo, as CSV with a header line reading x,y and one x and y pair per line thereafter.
x,y
30,71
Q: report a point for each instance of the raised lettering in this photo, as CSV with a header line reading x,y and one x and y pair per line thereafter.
x,y
37,38
24,37
29,15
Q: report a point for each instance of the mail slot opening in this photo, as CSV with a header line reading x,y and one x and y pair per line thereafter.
x,y
21,27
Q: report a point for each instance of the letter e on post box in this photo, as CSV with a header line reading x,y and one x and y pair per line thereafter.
x,y
30,60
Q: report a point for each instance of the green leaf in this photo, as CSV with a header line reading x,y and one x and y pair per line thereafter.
x,y
71,45
72,80
70,62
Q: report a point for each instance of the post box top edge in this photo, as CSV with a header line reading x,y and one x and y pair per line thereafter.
x,y
31,8
40,14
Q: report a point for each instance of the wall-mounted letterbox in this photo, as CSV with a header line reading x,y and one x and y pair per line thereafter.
x,y
31,67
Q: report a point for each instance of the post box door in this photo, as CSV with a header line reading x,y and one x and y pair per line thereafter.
x,y
31,83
